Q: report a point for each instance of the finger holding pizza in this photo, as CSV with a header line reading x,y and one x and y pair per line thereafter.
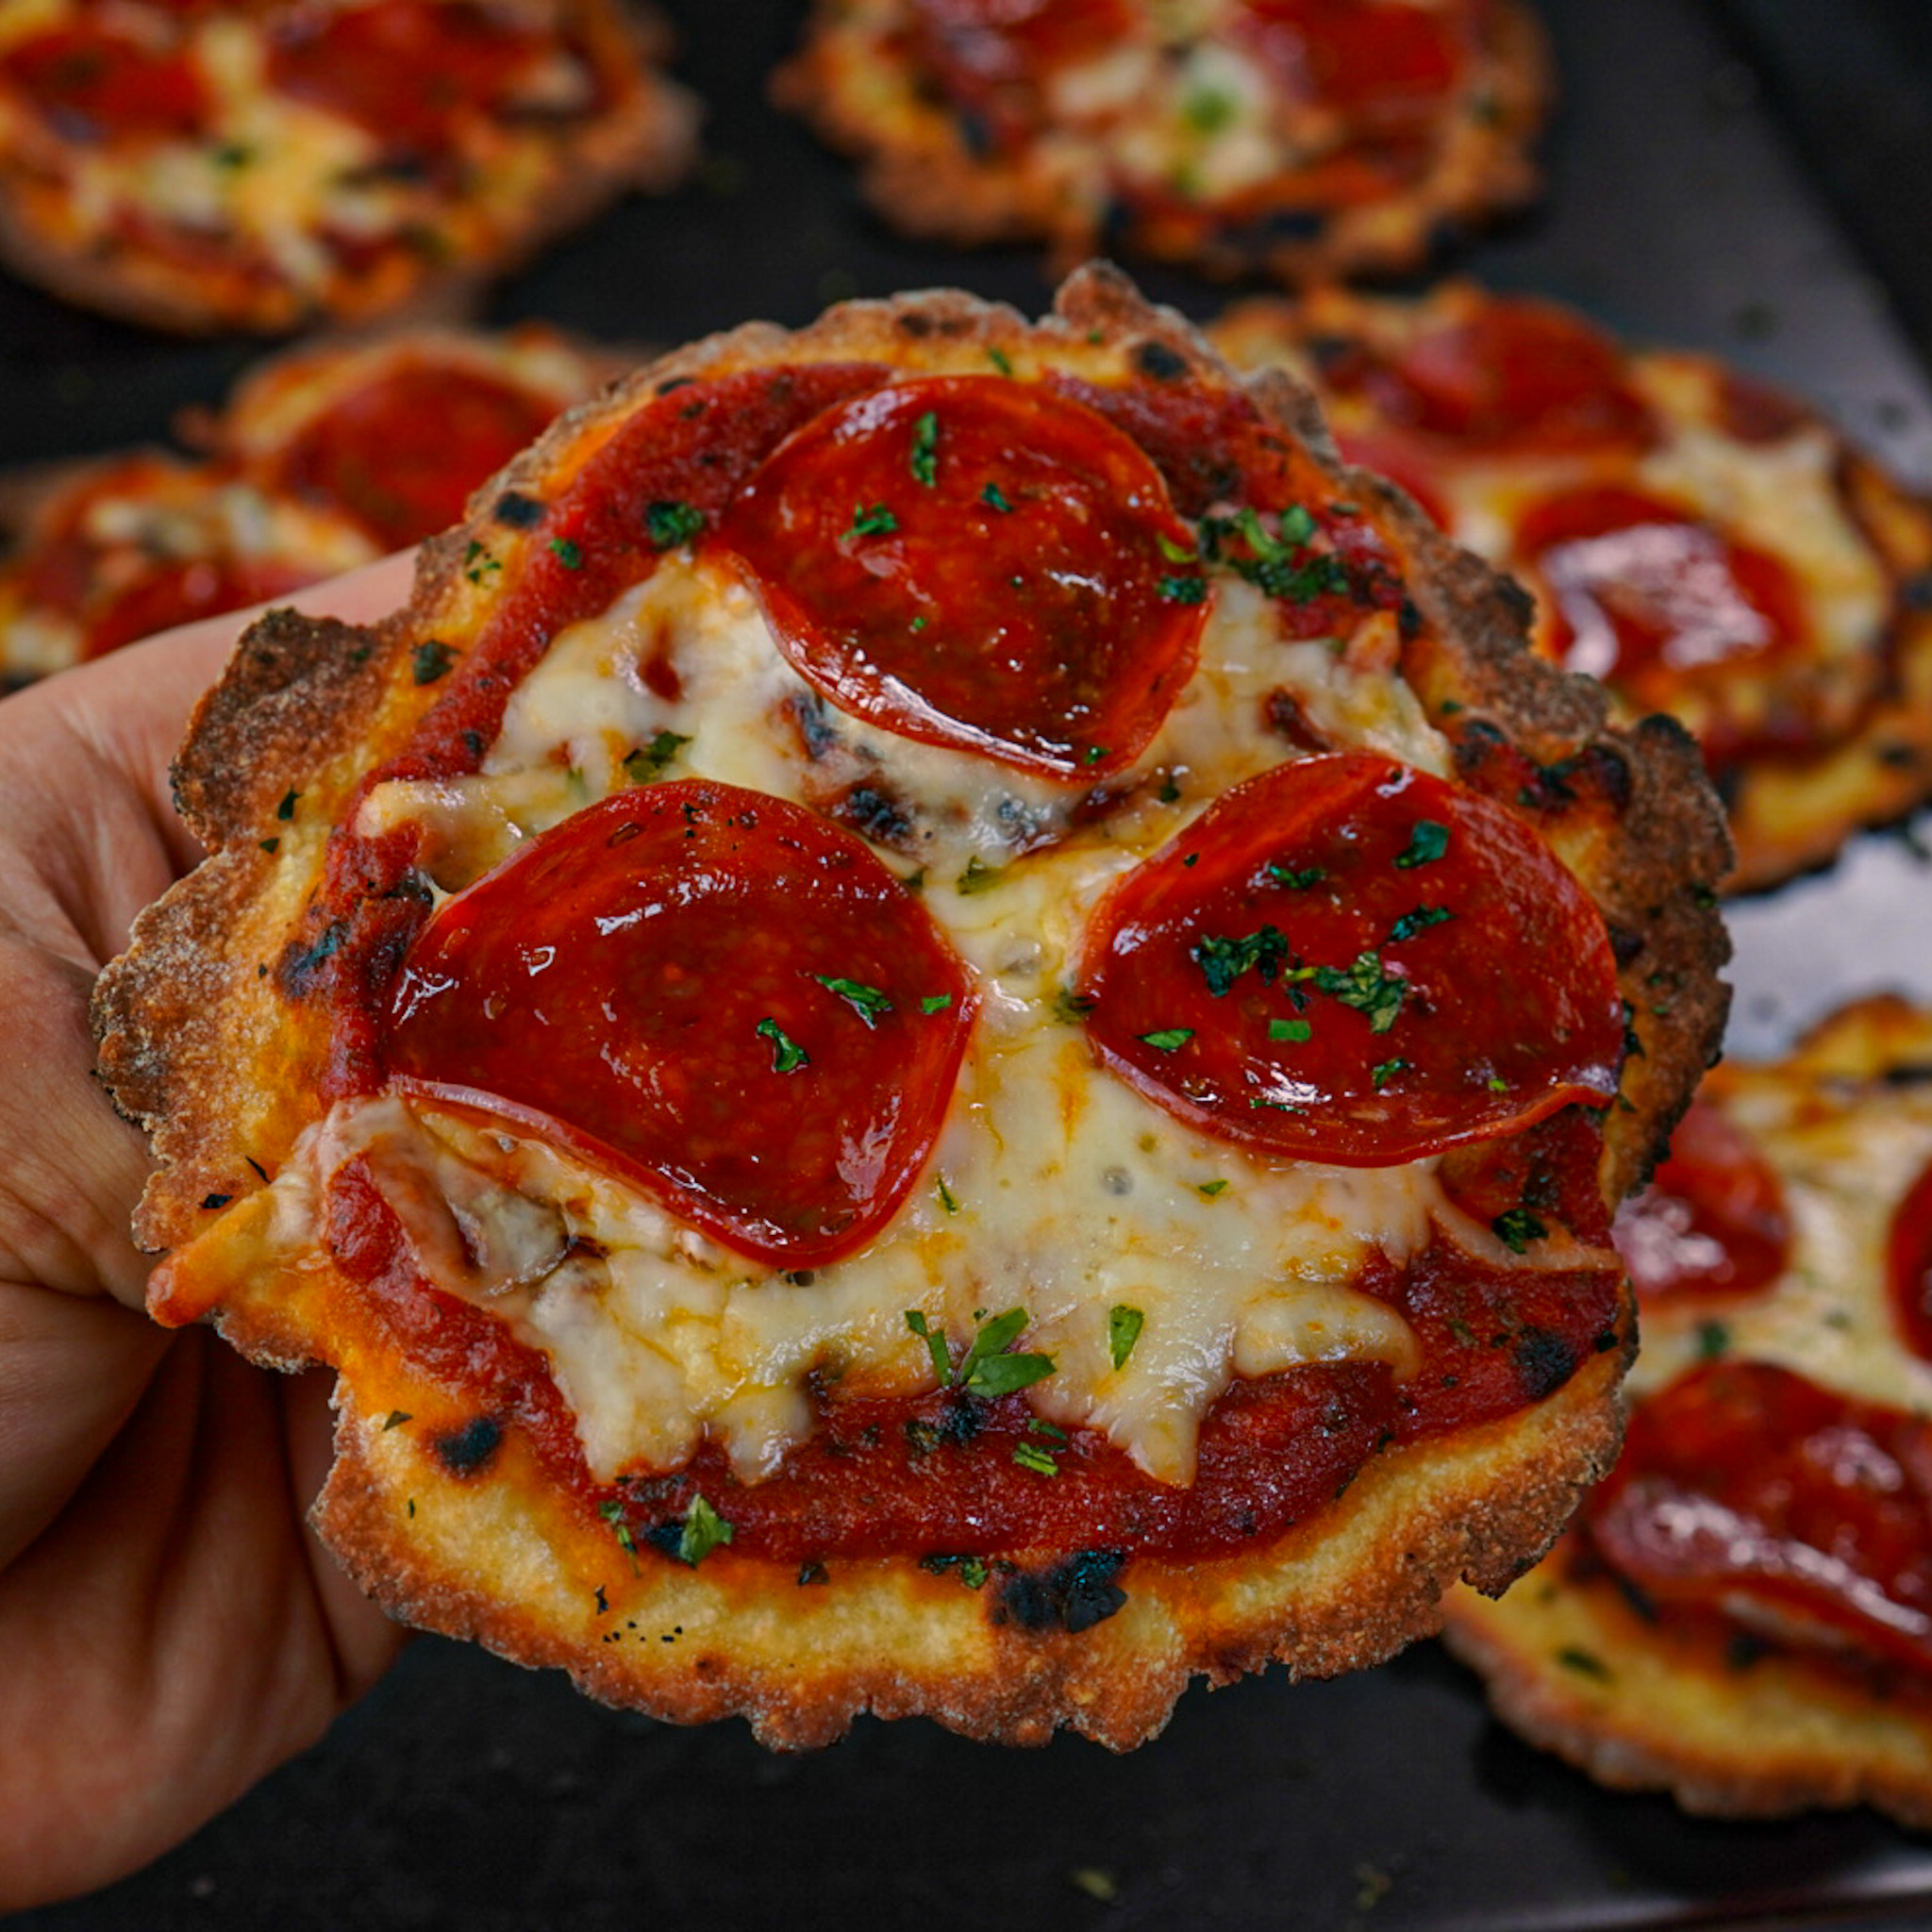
x,y
170,1628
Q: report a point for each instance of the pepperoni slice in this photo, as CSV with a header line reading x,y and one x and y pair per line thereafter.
x,y
1312,968
1908,1266
1641,592
402,454
1517,376
1746,1486
1380,64
715,994
93,85
973,562
1712,1219
407,69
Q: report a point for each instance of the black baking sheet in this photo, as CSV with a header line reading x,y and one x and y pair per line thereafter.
x,y
1716,183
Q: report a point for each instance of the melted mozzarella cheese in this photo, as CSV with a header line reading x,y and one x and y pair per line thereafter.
x,y
1053,1186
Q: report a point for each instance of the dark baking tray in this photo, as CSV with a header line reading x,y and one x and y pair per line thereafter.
x,y
1736,175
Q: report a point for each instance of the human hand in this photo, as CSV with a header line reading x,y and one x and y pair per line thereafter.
x,y
170,1627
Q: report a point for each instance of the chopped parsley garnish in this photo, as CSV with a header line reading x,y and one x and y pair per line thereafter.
x,y
430,660
568,552
999,358
1223,960
868,1002
1426,843
669,524
1380,1076
979,878
1031,1455
1363,985
1516,1227
1289,1029
1177,589
395,1419
872,520
287,808
926,444
1713,1340
1297,879
1586,1663
479,563
1123,1325
985,1369
1168,1039
1418,919
936,1003
612,1513
935,1342
704,1530
995,498
647,760
1277,565
947,1199
989,1370
1210,1189
970,1571
786,1055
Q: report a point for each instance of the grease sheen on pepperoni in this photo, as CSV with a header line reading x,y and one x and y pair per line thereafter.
x,y
1745,1486
1640,587
1312,968
401,454
976,563
1908,1266
1382,63
716,994
1516,376
407,69
1713,1218
93,85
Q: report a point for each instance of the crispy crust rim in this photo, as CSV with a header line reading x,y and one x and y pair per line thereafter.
x,y
181,1022
924,178
1570,1663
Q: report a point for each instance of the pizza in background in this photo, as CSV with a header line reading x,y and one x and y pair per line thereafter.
x,y
833,1179
269,165
1706,546
1297,138
1744,1614
324,457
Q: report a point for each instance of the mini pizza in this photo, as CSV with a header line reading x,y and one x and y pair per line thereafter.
x,y
1298,138
945,1029
1744,1614
1706,546
266,165
325,458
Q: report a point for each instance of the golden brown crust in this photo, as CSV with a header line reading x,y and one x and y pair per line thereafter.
x,y
1570,1666
1863,678
514,191
303,711
1727,1723
932,170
